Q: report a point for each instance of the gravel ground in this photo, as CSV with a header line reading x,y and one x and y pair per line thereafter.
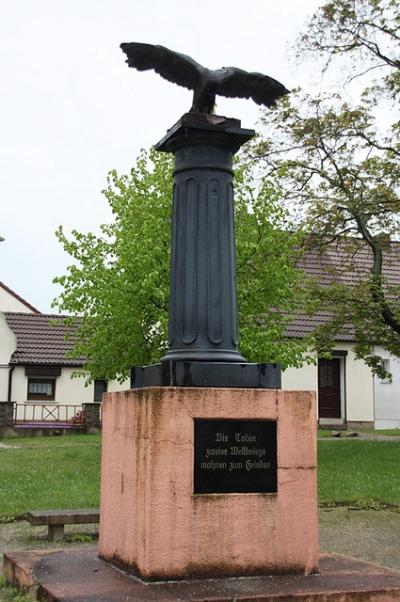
x,y
20,535
368,534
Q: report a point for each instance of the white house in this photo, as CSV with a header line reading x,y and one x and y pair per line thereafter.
x,y
347,391
9,301
34,364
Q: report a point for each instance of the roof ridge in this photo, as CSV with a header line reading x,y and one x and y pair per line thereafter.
x,y
43,315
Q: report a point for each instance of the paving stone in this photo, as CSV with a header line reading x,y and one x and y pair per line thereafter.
x,y
78,574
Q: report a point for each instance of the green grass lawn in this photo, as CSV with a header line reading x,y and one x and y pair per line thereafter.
x,y
63,472
49,472
357,471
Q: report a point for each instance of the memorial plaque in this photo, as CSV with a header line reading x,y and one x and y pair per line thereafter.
x,y
235,456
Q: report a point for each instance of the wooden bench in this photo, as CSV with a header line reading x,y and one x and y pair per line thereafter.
x,y
56,519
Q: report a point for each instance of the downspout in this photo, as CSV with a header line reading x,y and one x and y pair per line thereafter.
x,y
10,375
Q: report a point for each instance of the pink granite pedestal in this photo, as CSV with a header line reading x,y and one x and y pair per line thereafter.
x,y
151,522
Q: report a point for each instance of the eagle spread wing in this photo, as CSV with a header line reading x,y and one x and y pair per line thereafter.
x,y
264,90
184,71
173,66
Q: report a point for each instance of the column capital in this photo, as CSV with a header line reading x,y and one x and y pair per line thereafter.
x,y
197,128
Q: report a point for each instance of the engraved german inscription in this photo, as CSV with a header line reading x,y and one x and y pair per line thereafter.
x,y
235,456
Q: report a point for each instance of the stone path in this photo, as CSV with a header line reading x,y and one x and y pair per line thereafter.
x,y
363,437
374,437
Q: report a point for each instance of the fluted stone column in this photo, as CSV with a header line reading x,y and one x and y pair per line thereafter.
x,y
202,314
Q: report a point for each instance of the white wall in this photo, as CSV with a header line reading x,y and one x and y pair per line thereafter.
x,y
10,303
8,345
114,385
70,391
359,388
387,395
300,379
19,384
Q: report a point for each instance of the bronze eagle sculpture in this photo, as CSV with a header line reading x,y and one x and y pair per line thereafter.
x,y
205,83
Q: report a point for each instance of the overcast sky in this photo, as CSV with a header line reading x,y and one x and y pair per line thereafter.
x,y
71,109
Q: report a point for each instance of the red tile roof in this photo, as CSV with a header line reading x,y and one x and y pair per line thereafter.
x,y
333,265
40,339
303,325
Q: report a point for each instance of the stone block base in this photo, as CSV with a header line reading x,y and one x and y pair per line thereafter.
x,y
151,522
78,574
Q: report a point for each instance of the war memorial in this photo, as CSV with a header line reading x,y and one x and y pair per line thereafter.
x,y
208,480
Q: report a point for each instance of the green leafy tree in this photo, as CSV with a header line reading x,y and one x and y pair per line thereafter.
x,y
270,290
118,282
339,168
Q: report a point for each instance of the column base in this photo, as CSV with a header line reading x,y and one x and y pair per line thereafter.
x,y
204,355
207,374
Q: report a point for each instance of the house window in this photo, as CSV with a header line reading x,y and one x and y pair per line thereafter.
x,y
100,387
386,366
41,388
325,375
